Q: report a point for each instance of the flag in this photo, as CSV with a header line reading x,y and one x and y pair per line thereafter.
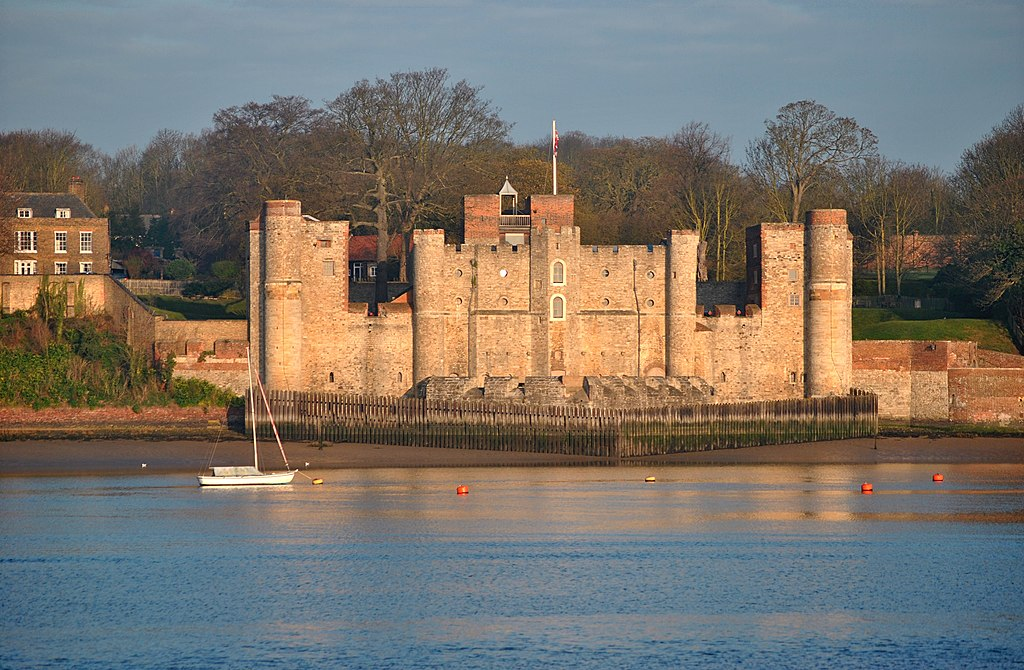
x,y
554,144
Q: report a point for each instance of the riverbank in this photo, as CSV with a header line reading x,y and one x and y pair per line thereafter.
x,y
105,457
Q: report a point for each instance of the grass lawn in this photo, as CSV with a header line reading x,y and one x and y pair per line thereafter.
x,y
897,324
176,308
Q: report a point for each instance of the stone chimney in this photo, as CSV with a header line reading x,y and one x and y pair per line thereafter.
x,y
77,187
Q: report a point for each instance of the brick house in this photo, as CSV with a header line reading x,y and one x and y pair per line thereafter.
x,y
53,234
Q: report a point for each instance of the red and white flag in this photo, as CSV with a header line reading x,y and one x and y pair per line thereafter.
x,y
554,143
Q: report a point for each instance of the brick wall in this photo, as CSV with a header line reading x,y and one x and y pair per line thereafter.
x,y
986,394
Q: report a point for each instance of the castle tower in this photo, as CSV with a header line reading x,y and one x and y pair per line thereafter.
x,y
828,302
429,284
681,299
280,305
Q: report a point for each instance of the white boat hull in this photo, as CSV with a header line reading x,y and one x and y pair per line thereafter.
x,y
261,479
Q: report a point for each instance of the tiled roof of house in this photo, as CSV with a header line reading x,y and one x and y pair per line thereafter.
x,y
364,247
45,205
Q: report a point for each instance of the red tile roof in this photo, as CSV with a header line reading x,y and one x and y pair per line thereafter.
x,y
364,247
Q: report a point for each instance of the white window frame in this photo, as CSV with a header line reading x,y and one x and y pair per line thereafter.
x,y
60,267
26,241
794,299
371,270
558,299
558,273
24,212
85,242
24,267
62,213
60,241
85,268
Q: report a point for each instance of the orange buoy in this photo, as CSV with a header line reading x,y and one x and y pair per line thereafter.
x,y
937,477
462,490
867,488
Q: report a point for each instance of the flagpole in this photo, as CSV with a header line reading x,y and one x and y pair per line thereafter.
x,y
554,159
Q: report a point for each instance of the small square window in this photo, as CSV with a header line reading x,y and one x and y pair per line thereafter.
x,y
24,267
24,213
794,299
62,213
60,268
85,268
793,275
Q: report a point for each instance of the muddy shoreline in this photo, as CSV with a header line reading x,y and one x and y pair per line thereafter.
x,y
127,455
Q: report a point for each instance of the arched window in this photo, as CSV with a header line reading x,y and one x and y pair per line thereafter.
x,y
558,273
557,308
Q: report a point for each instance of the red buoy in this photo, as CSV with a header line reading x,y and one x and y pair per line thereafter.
x,y
462,490
937,477
867,488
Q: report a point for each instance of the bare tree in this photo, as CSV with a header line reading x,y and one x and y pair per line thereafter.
x,y
411,132
804,141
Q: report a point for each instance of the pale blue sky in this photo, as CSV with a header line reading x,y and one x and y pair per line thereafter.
x,y
929,77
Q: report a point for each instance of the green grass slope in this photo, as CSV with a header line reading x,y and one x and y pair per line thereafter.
x,y
895,324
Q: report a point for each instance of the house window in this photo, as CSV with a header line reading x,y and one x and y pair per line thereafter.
x,y
371,270
60,268
328,268
24,213
27,241
557,308
85,268
558,273
24,267
85,241
60,242
62,213
794,299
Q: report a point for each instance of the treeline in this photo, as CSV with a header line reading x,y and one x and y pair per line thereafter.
x,y
399,153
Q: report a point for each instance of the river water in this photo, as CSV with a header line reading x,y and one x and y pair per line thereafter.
x,y
753,566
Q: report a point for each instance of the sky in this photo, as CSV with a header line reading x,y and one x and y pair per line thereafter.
x,y
929,77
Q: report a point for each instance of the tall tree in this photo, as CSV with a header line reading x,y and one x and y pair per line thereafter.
x,y
411,132
803,142
989,187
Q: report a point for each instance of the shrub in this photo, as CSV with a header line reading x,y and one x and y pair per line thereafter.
x,y
191,392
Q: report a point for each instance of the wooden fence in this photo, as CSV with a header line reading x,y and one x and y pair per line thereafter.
x,y
570,430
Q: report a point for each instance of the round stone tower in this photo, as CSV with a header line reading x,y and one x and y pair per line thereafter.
x,y
281,315
827,303
430,281
681,296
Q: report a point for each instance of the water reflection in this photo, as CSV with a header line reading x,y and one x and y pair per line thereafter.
x,y
709,566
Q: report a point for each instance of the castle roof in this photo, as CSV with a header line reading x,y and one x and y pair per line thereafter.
x,y
364,247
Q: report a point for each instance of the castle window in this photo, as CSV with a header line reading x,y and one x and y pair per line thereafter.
x,y
27,241
558,273
60,268
650,274
605,273
85,241
794,299
60,242
371,270
792,377
24,267
615,249
325,244
649,303
650,248
503,272
330,377
723,376
557,308
62,213
24,213
793,275
593,249
458,248
328,268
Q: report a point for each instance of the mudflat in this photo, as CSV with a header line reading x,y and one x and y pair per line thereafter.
x,y
126,456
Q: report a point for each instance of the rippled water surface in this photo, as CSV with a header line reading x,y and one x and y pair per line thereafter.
x,y
756,566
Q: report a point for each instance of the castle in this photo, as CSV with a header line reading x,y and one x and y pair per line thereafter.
x,y
522,299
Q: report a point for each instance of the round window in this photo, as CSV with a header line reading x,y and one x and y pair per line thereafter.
x,y
503,272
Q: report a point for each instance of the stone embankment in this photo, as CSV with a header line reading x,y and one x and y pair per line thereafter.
x,y
106,422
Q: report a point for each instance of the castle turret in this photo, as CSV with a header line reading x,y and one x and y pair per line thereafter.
x,y
681,296
429,282
281,313
828,302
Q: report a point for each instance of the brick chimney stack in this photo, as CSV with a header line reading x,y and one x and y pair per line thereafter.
x,y
77,187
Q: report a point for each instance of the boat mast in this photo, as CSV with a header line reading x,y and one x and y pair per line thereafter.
x,y
252,405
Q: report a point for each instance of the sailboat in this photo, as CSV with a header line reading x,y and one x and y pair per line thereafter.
x,y
251,475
